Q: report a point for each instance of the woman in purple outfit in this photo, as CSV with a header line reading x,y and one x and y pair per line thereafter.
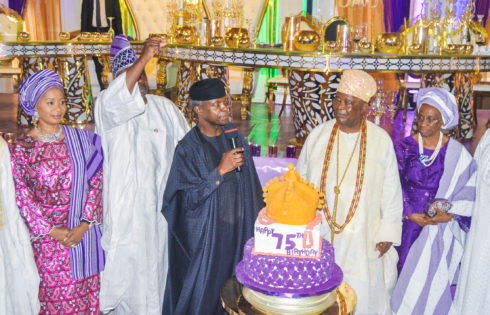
x,y
421,160
432,166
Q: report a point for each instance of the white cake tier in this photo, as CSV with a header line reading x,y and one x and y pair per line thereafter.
x,y
301,241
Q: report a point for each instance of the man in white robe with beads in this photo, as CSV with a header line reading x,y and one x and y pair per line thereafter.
x,y
353,162
139,133
473,287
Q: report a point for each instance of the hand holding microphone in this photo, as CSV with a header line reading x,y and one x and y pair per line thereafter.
x,y
234,157
230,161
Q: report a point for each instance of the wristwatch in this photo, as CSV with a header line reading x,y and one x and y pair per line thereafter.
x,y
88,222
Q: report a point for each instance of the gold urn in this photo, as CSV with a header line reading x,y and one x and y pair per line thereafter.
x,y
365,47
332,46
186,34
450,49
236,37
106,37
86,36
217,41
415,49
306,40
389,43
24,36
64,36
164,37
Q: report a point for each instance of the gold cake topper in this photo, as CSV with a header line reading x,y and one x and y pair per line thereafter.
x,y
291,200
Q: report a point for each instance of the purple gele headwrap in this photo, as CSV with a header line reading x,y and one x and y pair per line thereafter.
x,y
443,101
122,55
34,87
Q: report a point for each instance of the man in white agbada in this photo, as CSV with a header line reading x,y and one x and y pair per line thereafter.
x,y
354,164
19,279
139,133
473,288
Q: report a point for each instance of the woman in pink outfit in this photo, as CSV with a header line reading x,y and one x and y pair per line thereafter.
x,y
58,187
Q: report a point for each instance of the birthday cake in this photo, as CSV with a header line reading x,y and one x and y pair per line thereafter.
x,y
287,266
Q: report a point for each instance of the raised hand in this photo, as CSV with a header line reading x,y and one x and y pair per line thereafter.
x,y
152,47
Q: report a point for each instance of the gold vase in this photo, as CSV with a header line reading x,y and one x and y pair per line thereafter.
x,y
186,34
106,37
365,47
217,41
86,36
416,49
306,40
237,37
111,30
389,43
332,46
64,36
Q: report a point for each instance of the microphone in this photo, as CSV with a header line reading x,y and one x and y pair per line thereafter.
x,y
231,133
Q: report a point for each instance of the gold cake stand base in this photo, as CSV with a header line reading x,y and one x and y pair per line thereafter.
x,y
234,302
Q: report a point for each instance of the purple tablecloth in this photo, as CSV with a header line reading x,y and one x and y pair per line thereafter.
x,y
268,168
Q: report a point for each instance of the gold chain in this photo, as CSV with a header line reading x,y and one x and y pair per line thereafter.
x,y
336,189
336,228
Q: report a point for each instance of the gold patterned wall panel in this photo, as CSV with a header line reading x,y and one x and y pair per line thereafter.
x,y
186,76
311,97
247,91
190,72
77,90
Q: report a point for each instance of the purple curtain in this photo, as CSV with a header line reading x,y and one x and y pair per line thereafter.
x,y
482,7
395,12
18,5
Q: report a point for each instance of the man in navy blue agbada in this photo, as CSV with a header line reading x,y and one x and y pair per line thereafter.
x,y
210,207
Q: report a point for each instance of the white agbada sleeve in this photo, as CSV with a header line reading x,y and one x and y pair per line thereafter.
x,y
118,105
19,279
391,202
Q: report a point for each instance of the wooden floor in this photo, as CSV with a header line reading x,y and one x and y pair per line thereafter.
x,y
257,127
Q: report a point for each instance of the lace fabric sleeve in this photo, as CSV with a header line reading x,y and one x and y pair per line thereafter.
x,y
93,206
30,209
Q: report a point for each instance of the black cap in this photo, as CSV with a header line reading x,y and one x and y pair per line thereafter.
x,y
207,89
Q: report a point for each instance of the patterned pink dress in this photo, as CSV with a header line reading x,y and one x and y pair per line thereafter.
x,y
43,178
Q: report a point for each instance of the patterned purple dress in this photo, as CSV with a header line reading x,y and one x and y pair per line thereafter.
x,y
419,185
43,179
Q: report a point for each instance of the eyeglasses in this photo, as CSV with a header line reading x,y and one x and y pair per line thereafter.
x,y
428,120
347,103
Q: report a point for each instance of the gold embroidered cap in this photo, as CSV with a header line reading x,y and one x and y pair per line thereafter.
x,y
291,200
357,83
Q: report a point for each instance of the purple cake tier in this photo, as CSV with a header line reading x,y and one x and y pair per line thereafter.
x,y
275,275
